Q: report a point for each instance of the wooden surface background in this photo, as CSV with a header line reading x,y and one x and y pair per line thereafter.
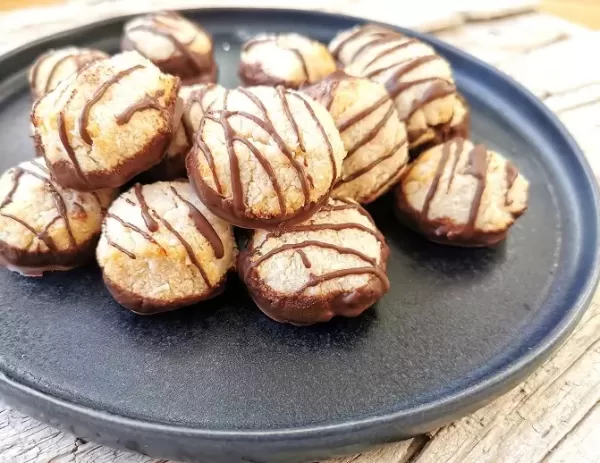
x,y
553,416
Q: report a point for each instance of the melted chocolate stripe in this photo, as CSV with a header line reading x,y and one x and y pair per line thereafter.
x,y
457,152
371,134
350,121
64,138
147,102
203,226
188,249
208,154
296,52
59,203
196,97
17,173
373,164
136,229
376,38
44,237
511,175
98,94
304,258
53,70
329,226
123,250
288,113
381,54
323,133
315,280
477,168
145,210
436,179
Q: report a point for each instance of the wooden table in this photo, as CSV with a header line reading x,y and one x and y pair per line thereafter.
x,y
554,416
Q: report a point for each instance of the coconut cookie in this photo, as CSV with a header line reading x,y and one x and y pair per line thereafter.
x,y
106,124
195,100
55,65
43,226
418,79
161,249
264,157
461,194
371,130
174,44
290,60
333,264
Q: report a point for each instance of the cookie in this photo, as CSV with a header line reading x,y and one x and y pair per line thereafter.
x,y
290,60
371,130
333,264
161,249
265,156
461,194
195,100
418,79
43,226
55,65
107,123
174,44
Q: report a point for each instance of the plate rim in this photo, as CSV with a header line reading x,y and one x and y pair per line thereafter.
x,y
455,403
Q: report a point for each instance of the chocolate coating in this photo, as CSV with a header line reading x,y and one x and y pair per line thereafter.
x,y
333,264
174,44
461,194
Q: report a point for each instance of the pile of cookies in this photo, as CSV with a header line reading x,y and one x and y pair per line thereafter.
x,y
315,132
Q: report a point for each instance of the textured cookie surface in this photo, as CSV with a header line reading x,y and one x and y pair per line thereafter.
x,y
56,65
332,264
162,249
107,123
418,79
177,46
194,100
265,156
461,194
44,226
371,130
290,60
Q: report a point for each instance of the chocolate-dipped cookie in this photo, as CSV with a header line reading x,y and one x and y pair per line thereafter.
x,y
195,100
418,79
265,156
161,249
55,65
43,226
290,60
177,46
107,123
333,264
371,130
460,194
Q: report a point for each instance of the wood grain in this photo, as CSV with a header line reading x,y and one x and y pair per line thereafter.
x,y
553,416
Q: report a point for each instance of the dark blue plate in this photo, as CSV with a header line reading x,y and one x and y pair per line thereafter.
x,y
221,382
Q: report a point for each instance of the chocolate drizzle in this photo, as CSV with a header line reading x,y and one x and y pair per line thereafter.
x,y
477,167
288,113
98,94
17,172
64,138
195,97
305,261
144,209
511,175
375,33
437,177
274,39
203,226
147,102
134,228
120,248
